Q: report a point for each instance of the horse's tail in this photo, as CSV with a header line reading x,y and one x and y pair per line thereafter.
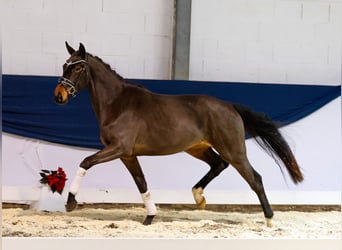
x,y
267,135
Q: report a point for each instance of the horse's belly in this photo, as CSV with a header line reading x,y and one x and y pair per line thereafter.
x,y
142,149
168,148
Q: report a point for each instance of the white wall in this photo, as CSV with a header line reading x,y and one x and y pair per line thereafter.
x,y
135,37
266,41
276,41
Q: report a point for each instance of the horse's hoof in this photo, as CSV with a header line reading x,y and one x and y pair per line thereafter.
x,y
269,222
148,220
199,198
202,204
71,203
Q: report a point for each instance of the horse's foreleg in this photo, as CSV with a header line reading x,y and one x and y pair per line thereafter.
x,y
150,207
107,154
73,190
217,165
135,170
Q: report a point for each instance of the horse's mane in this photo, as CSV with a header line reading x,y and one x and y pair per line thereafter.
x,y
107,65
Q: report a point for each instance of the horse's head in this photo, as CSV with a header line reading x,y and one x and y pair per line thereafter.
x,y
75,74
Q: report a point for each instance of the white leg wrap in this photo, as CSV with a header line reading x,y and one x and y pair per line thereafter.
x,y
75,185
149,204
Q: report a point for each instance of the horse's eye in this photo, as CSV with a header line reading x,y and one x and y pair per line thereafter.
x,y
78,68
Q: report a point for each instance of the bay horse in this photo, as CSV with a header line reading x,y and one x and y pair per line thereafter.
x,y
134,121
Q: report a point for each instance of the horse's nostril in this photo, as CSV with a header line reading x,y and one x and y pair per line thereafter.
x,y
59,98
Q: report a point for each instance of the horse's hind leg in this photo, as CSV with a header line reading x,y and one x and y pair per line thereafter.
x,y
217,165
255,182
135,170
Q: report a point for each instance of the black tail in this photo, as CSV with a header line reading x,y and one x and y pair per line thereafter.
x,y
267,135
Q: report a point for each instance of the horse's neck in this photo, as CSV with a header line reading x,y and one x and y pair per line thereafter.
x,y
104,88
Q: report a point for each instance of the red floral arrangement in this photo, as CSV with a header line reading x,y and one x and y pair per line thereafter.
x,y
55,179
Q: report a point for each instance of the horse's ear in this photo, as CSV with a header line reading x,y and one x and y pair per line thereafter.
x,y
82,51
69,48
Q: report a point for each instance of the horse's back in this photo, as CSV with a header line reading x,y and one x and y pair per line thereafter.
x,y
211,117
202,111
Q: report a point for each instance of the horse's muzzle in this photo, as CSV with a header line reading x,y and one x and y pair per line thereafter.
x,y
61,95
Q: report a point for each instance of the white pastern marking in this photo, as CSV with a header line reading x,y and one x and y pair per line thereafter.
x,y
199,198
269,222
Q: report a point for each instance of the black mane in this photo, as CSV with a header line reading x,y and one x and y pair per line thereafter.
x,y
108,66
113,71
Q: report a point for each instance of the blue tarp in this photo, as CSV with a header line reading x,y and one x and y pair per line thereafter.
x,y
28,107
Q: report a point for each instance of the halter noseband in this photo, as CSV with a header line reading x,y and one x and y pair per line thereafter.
x,y
70,86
